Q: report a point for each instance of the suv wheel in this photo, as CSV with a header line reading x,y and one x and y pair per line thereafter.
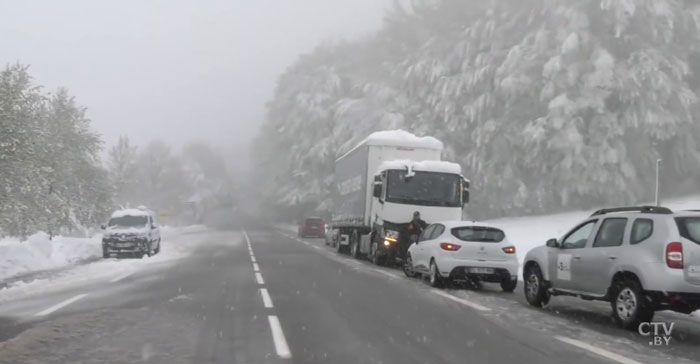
x,y
535,290
435,279
630,306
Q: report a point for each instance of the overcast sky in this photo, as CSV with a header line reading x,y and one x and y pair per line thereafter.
x,y
178,70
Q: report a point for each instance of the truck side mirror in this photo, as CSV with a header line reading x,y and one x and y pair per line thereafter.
x,y
377,191
465,191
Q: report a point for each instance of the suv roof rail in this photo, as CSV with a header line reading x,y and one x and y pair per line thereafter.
x,y
642,209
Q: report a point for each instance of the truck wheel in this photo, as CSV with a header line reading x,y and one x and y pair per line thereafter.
x,y
355,245
630,307
408,267
374,254
535,290
338,246
436,280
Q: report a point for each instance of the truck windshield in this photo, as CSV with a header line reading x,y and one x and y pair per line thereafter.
x,y
424,188
128,221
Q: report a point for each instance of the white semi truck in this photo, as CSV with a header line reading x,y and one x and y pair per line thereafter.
x,y
382,182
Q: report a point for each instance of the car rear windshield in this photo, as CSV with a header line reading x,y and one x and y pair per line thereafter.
x,y
689,228
479,233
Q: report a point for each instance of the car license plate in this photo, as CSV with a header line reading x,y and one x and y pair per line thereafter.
x,y
123,245
480,270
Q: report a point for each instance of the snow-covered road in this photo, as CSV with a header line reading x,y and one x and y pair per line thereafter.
x,y
268,297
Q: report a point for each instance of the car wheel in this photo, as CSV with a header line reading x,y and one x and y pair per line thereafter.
x,y
435,279
535,290
150,253
408,267
105,253
508,285
630,307
158,248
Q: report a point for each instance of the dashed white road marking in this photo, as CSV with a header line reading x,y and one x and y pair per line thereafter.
x,y
259,278
119,278
256,267
278,337
598,351
60,305
252,258
267,301
473,305
245,234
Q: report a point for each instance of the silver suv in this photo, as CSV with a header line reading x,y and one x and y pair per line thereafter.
x,y
640,259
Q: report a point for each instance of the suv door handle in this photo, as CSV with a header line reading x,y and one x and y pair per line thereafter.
x,y
577,257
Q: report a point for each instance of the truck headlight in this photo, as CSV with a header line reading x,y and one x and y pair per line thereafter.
x,y
391,235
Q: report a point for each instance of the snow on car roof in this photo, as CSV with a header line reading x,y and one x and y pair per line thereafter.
x,y
131,212
425,166
398,138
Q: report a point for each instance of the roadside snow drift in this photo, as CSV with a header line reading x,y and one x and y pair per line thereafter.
x,y
39,253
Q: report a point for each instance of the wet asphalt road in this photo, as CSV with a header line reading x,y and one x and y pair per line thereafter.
x,y
266,297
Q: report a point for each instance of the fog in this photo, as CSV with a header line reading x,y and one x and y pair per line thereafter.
x,y
175,70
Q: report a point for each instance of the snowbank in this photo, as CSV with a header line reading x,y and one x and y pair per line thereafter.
x,y
178,242
40,253
533,231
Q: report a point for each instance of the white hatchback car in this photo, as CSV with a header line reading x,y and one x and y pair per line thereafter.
x,y
462,251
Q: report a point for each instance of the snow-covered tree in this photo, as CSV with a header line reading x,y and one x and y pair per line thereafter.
x,y
546,104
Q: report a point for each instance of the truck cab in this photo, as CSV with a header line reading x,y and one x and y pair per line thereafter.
x,y
434,189
381,183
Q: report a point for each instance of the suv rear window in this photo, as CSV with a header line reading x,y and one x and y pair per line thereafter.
x,y
641,230
314,222
479,233
689,227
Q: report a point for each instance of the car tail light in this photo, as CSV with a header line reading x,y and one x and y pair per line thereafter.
x,y
674,255
509,250
450,247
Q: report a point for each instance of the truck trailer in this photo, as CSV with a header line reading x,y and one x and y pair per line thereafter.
x,y
380,184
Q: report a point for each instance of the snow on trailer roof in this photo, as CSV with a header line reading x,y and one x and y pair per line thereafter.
x,y
131,212
398,138
425,166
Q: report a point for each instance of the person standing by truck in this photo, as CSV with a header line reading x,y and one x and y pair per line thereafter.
x,y
416,227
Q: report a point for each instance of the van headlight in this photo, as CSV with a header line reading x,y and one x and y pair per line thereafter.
x,y
391,235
